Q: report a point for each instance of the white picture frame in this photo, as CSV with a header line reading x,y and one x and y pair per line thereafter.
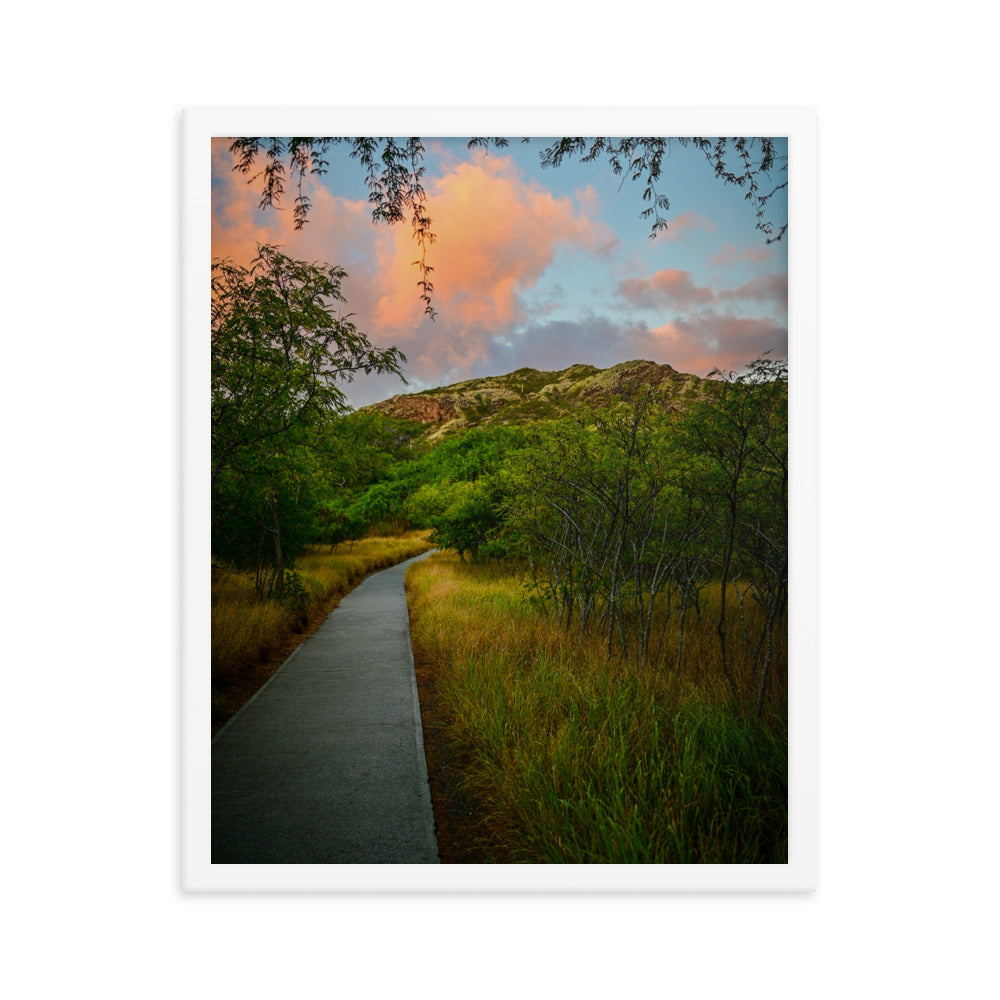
x,y
800,873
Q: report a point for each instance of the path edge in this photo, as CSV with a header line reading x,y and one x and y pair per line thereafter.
x,y
256,693
423,778
291,655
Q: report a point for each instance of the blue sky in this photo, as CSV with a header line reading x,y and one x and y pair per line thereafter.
x,y
536,267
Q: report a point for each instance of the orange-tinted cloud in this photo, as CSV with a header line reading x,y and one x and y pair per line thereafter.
x,y
496,235
339,232
237,224
698,344
337,227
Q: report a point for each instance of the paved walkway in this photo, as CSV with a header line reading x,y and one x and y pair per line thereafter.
x,y
325,764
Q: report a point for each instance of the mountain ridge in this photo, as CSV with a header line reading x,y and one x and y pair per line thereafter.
x,y
530,394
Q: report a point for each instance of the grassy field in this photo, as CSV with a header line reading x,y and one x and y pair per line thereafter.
x,y
251,638
566,757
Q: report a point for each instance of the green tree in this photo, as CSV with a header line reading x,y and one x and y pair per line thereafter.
x,y
467,515
279,350
460,489
740,440
611,538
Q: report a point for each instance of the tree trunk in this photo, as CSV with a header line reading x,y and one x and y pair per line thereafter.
x,y
720,625
279,564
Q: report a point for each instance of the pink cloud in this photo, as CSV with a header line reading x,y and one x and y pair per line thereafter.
x,y
339,232
669,287
496,235
497,232
338,228
698,344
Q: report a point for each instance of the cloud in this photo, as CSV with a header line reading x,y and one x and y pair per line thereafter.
x,y
675,289
729,254
496,233
339,230
693,344
764,288
699,343
669,287
550,346
682,223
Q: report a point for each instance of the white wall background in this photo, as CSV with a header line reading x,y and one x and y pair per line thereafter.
x,y
908,223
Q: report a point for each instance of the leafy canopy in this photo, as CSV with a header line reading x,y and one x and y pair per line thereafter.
x,y
279,350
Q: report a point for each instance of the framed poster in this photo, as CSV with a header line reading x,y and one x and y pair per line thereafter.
x,y
584,371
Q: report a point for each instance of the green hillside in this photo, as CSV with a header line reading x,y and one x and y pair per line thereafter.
x,y
527,395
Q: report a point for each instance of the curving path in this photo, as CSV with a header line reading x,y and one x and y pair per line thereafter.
x,y
325,764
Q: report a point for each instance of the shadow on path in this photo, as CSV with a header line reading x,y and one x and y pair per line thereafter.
x,y
325,764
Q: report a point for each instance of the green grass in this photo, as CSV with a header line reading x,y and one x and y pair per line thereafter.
x,y
574,759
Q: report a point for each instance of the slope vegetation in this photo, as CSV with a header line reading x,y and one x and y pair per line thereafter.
x,y
527,395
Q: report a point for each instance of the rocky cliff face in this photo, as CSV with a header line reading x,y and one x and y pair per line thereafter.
x,y
423,409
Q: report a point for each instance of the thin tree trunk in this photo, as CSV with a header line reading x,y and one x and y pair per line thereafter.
x,y
720,625
279,564
769,649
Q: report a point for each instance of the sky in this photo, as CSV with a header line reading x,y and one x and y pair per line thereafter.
x,y
533,267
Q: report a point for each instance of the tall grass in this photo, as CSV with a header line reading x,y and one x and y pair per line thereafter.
x,y
572,758
250,637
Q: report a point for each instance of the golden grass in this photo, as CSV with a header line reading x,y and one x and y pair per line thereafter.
x,y
572,757
251,637
495,605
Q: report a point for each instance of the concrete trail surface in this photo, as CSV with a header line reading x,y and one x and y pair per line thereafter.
x,y
325,764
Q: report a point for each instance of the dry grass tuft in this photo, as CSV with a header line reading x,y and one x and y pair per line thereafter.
x,y
252,638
